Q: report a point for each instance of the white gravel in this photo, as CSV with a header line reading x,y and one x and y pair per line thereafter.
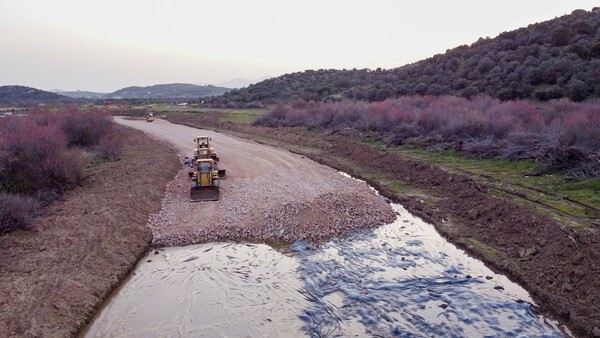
x,y
269,195
289,207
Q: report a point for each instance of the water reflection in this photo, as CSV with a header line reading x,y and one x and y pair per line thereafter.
x,y
401,279
209,290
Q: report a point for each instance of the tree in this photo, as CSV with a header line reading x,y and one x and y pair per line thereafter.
x,y
577,90
561,36
548,93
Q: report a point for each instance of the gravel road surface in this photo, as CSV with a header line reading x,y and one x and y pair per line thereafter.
x,y
269,194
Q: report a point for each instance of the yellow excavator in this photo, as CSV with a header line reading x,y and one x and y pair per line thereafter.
x,y
205,181
150,117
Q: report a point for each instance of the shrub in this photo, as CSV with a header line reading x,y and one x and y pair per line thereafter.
x,y
84,129
34,157
42,151
560,135
16,212
41,156
110,145
582,128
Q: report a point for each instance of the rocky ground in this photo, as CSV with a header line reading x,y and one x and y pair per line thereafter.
x,y
307,209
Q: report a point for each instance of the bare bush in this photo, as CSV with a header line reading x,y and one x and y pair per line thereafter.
x,y
16,212
110,145
42,151
37,157
84,128
480,127
481,148
573,161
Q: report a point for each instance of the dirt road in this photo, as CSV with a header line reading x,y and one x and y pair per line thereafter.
x,y
269,194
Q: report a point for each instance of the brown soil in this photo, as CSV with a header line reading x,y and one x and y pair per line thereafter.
x,y
55,276
557,264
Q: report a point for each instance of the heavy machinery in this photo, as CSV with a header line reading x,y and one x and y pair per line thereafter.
x,y
150,117
205,181
203,148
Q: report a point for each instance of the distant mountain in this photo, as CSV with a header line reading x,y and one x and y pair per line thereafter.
x,y
26,96
79,94
167,91
548,60
240,83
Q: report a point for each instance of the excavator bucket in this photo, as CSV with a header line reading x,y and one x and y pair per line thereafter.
x,y
205,193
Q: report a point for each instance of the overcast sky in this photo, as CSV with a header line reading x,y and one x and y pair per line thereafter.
x,y
106,45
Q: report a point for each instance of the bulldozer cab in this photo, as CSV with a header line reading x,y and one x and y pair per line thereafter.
x,y
202,141
204,166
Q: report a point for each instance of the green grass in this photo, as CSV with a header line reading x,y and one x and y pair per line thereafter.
x,y
572,202
244,116
393,184
97,162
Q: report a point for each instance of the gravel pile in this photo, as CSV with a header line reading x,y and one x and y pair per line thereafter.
x,y
314,203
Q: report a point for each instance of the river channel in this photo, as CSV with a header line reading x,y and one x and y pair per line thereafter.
x,y
401,279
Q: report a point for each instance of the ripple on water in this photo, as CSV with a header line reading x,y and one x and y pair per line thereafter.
x,y
401,279
404,279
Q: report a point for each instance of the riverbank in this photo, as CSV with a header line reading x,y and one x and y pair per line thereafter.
x,y
557,262
54,276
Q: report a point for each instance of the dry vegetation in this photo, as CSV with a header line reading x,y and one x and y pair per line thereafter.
x,y
560,135
44,154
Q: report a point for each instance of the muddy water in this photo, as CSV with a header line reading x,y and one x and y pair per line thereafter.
x,y
401,279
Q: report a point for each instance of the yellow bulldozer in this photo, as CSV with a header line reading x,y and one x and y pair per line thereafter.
x,y
203,148
150,117
205,181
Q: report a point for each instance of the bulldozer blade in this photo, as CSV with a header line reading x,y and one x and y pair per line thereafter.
x,y
207,193
221,172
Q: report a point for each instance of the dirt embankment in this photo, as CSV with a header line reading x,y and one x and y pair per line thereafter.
x,y
55,276
560,266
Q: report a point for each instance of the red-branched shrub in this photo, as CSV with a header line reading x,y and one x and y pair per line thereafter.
x,y
35,157
581,128
16,212
110,145
480,127
84,128
43,151
41,155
